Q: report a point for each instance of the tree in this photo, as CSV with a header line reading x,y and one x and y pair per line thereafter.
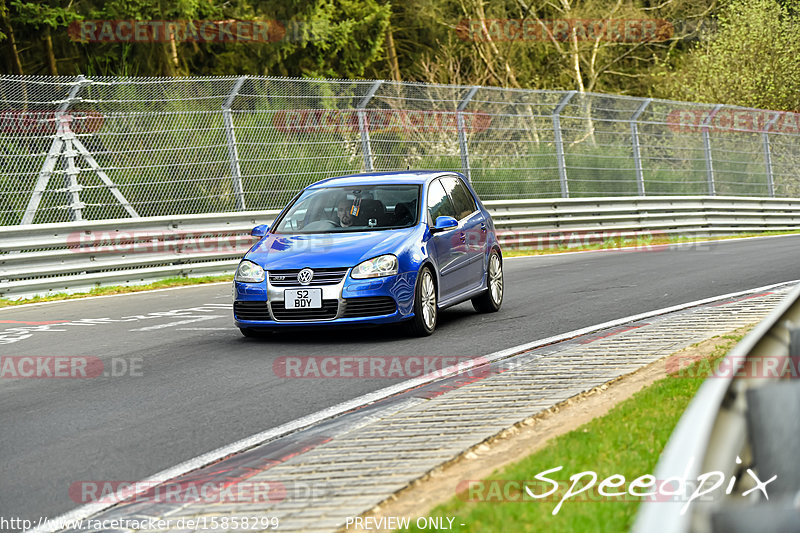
x,y
753,61
7,34
45,16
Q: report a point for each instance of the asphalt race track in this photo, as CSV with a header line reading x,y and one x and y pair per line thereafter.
x,y
189,382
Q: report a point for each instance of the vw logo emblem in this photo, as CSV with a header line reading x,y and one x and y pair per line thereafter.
x,y
305,276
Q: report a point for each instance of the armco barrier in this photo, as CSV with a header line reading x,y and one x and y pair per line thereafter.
x,y
540,223
76,256
739,431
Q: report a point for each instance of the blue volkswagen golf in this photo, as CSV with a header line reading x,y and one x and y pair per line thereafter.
x,y
371,249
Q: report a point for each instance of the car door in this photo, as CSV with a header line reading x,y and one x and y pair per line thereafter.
x,y
447,246
473,230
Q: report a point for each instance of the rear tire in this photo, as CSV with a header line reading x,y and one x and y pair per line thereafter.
x,y
491,300
426,312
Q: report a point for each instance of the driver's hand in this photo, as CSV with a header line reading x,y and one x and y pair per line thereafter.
x,y
346,220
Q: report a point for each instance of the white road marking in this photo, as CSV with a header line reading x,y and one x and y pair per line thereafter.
x,y
207,329
22,332
200,461
178,323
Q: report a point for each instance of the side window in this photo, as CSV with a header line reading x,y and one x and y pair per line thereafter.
x,y
463,201
439,204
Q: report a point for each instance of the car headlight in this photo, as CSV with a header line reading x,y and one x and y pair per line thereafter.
x,y
249,272
377,267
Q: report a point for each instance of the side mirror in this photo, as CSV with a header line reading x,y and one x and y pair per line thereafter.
x,y
260,230
445,223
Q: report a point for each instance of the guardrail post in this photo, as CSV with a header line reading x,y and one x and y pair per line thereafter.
x,y
562,166
230,137
794,340
768,155
637,156
363,126
462,135
712,189
52,158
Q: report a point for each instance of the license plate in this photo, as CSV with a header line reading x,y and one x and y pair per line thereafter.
x,y
302,298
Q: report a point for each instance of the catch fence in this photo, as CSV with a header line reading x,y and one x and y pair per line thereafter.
x,y
78,149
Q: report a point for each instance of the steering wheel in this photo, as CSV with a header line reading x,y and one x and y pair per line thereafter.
x,y
323,224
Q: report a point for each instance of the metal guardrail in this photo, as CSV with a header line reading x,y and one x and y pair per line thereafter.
x,y
100,148
540,223
76,256
743,424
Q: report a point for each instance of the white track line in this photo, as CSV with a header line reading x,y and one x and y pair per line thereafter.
x,y
200,461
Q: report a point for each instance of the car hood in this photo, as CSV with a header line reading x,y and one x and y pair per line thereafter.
x,y
330,250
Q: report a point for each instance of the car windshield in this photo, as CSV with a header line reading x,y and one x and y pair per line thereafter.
x,y
354,208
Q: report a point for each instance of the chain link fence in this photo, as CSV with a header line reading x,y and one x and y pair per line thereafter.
x,y
100,148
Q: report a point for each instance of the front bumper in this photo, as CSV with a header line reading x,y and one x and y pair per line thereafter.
x,y
349,301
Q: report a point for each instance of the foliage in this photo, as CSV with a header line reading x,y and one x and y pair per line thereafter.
x,y
753,61
723,51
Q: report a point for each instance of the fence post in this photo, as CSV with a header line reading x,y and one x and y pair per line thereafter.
x,y
562,166
712,189
637,156
363,126
71,179
230,138
462,135
52,158
768,155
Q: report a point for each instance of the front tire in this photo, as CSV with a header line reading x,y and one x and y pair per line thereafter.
x,y
426,312
491,300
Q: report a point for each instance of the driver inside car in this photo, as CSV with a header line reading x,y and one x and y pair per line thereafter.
x,y
343,211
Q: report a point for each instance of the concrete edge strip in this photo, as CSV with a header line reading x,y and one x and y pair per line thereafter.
x,y
205,459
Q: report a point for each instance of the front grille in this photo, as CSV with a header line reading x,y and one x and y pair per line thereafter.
x,y
326,312
322,276
251,311
372,306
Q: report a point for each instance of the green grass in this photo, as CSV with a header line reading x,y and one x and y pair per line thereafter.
x,y
118,289
626,441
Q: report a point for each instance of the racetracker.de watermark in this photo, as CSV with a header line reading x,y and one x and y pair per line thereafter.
x,y
376,367
632,30
18,122
162,31
604,240
378,121
147,242
182,492
72,366
561,30
765,366
733,121
200,31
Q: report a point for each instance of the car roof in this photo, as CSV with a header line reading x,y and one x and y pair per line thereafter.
x,y
383,178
